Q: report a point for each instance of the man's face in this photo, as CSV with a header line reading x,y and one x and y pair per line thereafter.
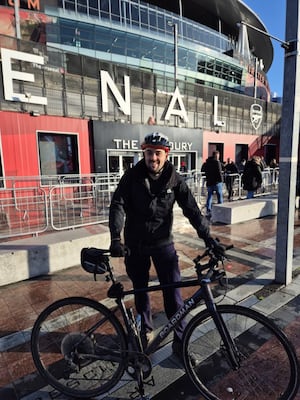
x,y
155,159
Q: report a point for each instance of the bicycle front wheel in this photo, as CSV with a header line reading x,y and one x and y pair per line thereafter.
x,y
79,347
268,366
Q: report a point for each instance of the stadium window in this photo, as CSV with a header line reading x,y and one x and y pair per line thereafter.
x,y
104,9
133,46
69,5
103,39
144,17
82,6
118,43
169,54
146,48
135,17
93,7
161,23
152,21
201,65
67,32
191,62
182,57
159,52
115,11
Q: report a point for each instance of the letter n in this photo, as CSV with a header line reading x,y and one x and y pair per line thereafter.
x,y
107,82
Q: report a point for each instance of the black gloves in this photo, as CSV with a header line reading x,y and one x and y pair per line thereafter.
x,y
216,247
117,249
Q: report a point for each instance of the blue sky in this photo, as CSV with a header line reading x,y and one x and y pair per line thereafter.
x,y
272,14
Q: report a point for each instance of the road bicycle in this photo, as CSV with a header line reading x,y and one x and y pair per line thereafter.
x,y
83,348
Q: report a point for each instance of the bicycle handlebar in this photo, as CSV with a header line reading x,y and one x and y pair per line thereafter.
x,y
96,261
212,264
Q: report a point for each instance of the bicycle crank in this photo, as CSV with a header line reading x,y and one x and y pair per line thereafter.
x,y
139,363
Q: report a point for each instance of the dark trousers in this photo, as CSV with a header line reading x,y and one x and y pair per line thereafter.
x,y
229,181
165,261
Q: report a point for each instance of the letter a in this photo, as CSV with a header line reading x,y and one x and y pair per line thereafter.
x,y
181,112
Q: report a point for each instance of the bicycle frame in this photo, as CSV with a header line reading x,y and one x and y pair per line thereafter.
x,y
203,293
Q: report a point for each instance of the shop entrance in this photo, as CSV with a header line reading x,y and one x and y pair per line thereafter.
x,y
180,161
183,162
122,161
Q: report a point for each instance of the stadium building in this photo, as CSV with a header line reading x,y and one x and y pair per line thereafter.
x,y
83,81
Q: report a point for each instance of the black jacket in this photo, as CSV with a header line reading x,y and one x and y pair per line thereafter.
x,y
148,207
252,176
213,171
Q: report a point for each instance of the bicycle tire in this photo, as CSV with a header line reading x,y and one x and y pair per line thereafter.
x,y
59,336
268,362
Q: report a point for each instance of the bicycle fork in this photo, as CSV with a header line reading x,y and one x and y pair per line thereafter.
x,y
229,345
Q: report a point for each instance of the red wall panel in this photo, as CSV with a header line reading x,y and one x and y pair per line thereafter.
x,y
19,141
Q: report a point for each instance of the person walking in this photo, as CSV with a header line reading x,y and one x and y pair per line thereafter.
x,y
252,176
214,179
230,171
241,165
145,197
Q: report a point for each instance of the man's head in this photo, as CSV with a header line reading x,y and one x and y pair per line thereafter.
x,y
156,148
216,154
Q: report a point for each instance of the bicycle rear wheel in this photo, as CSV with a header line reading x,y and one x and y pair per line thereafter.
x,y
268,366
79,347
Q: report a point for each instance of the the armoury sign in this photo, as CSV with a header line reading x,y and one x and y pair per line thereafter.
x,y
256,115
128,144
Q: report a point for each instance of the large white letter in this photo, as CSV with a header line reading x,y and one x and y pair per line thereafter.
x,y
174,111
106,82
9,75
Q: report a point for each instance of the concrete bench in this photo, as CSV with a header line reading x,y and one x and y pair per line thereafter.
x,y
244,210
29,257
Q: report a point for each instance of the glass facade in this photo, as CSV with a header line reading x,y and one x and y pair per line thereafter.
x,y
134,33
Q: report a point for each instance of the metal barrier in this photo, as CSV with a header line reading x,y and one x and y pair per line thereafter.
x,y
31,205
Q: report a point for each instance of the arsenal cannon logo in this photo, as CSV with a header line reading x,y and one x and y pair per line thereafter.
x,y
256,114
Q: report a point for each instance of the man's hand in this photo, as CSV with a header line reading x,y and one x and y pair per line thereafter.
x,y
117,249
216,247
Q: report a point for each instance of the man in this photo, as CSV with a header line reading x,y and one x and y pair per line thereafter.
x,y
231,171
252,176
145,196
214,180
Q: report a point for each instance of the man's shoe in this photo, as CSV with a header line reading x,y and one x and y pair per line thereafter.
x,y
177,351
146,338
208,215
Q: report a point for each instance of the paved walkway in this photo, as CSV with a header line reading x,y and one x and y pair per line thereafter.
x,y
250,279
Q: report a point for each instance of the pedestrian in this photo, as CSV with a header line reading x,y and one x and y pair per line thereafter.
x,y
183,167
263,164
145,197
242,165
273,163
214,179
274,170
252,176
230,172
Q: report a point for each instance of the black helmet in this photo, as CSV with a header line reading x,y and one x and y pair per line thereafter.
x,y
156,140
